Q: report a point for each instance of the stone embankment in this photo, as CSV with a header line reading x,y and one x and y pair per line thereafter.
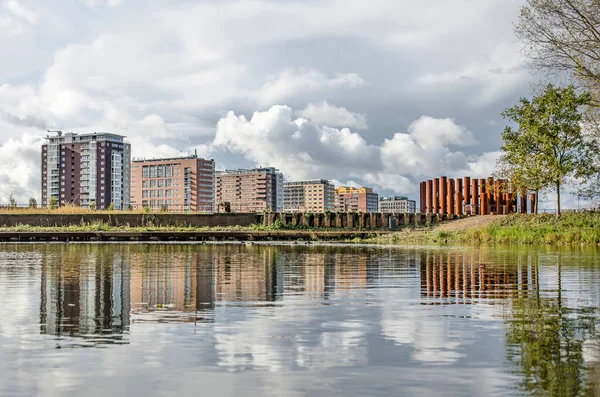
x,y
331,220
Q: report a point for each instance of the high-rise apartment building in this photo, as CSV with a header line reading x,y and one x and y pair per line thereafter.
x,y
315,195
250,190
178,184
397,205
349,199
86,170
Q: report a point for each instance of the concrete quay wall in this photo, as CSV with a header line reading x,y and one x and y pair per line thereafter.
x,y
331,220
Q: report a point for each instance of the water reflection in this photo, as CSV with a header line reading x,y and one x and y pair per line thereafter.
x,y
85,295
523,320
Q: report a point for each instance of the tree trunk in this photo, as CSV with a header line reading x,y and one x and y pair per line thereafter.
x,y
557,199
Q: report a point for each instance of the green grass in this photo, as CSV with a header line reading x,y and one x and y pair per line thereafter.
x,y
582,228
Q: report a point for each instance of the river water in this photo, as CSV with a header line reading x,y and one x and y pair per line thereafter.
x,y
238,320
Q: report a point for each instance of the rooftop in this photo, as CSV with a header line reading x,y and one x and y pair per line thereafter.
x,y
394,198
308,182
247,171
147,160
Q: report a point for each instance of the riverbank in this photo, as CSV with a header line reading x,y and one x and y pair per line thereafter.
x,y
181,236
580,228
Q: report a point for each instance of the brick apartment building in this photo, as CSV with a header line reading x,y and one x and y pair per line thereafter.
x,y
349,199
315,195
86,170
250,190
179,184
397,205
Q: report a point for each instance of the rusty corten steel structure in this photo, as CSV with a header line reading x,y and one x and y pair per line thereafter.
x,y
429,196
472,196
442,195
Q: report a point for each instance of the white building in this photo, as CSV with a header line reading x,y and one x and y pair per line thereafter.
x,y
397,205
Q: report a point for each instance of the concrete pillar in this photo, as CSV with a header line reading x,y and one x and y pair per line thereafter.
x,y
450,198
430,219
350,220
318,219
326,219
385,220
373,220
443,194
429,197
436,195
399,219
419,219
466,191
339,219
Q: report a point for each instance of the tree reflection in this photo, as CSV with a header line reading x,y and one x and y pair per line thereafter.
x,y
545,342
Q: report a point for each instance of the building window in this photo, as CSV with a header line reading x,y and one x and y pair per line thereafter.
x,y
161,182
153,183
153,193
145,184
144,194
168,193
168,182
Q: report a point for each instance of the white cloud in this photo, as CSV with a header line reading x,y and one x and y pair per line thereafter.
x,y
20,168
325,114
425,149
100,3
431,132
290,82
484,165
299,148
9,27
163,74
19,10
303,150
494,78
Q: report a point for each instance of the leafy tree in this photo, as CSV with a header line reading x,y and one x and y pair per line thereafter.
x,y
32,203
93,205
549,147
111,206
53,203
563,36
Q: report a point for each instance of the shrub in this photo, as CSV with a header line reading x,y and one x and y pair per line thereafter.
x,y
53,203
32,203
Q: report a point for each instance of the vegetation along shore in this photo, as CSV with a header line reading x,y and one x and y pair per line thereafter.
x,y
578,228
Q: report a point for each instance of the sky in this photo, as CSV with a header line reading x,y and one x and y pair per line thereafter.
x,y
381,93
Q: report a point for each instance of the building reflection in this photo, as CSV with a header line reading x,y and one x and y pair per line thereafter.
x,y
170,284
461,278
84,292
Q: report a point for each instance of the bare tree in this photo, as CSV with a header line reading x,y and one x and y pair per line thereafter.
x,y
563,36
